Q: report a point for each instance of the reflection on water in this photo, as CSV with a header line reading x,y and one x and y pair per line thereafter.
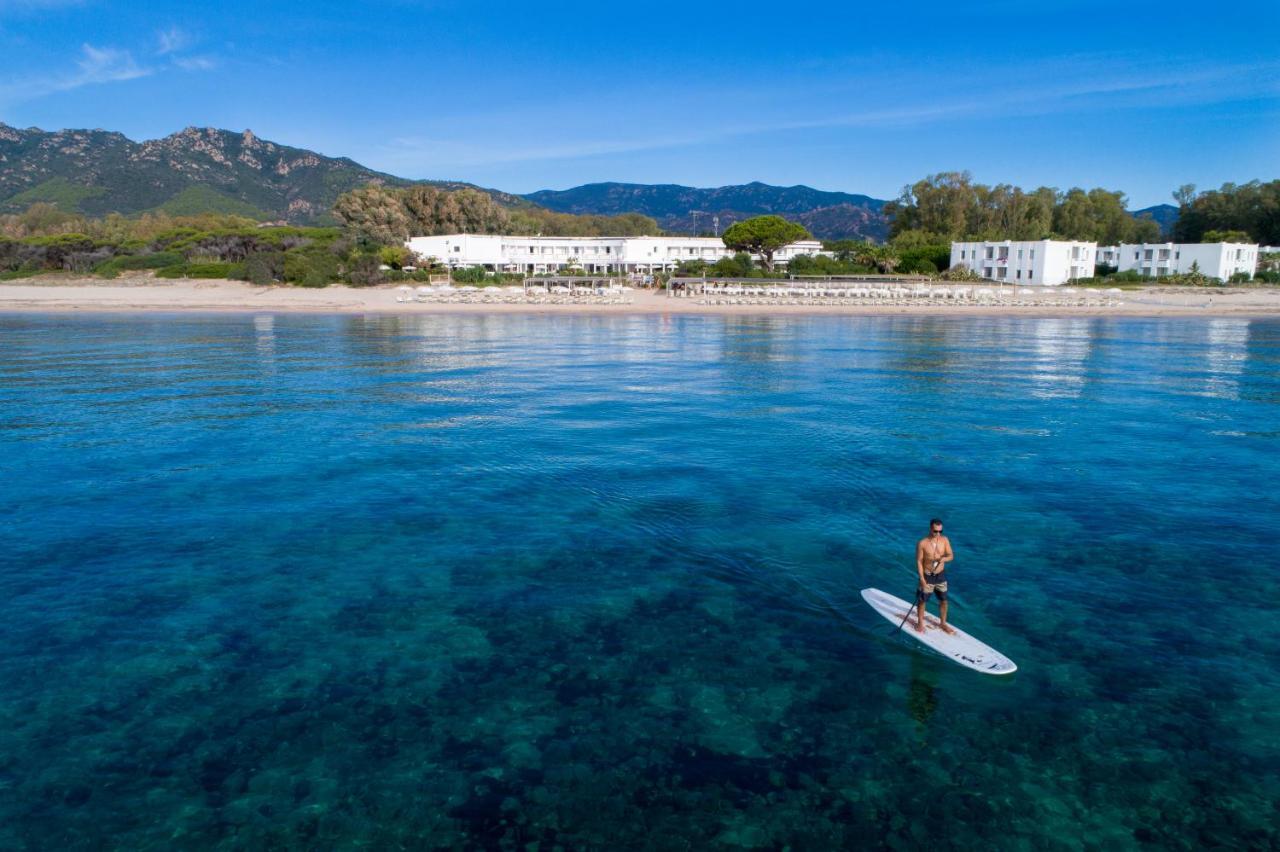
x,y
1226,353
1062,347
592,582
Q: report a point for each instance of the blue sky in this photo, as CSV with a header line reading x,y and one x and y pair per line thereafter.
x,y
1140,97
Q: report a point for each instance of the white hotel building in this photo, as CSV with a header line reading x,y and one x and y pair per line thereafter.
x,y
1217,260
535,255
1044,262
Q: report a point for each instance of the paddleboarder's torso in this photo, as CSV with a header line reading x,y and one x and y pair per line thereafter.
x,y
933,552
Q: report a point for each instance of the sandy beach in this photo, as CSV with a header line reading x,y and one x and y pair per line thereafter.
x,y
144,293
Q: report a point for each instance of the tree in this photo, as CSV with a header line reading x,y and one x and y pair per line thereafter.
x,y
1145,230
45,218
397,257
1225,237
763,235
949,206
886,259
467,211
1253,208
866,254
944,203
374,213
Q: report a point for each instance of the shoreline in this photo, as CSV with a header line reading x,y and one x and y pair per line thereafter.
x,y
148,295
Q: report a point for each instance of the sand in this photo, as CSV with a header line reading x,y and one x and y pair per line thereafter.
x,y
148,294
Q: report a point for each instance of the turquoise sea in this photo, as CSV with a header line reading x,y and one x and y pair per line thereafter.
x,y
552,582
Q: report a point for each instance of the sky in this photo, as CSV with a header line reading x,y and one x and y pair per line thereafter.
x,y
864,98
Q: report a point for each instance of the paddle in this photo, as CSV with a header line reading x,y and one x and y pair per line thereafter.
x,y
905,617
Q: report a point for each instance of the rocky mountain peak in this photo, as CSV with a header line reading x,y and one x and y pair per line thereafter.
x,y
192,170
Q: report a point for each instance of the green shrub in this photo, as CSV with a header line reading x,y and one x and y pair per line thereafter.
x,y
264,267
921,258
155,260
918,266
197,270
310,266
364,271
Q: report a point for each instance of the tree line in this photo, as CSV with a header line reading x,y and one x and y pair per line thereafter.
x,y
367,248
369,245
46,239
950,206
391,216
1250,211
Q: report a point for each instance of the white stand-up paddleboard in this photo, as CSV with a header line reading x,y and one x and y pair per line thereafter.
x,y
959,647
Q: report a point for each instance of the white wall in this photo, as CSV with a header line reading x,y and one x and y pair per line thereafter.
x,y
593,254
1217,260
1037,262
459,249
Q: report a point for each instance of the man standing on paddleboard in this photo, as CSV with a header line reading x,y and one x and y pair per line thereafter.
x,y
932,555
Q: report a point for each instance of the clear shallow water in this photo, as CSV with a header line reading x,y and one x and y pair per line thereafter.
x,y
317,582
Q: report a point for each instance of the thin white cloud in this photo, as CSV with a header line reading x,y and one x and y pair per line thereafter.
x,y
100,65
890,101
195,63
175,44
105,65
410,150
96,65
171,40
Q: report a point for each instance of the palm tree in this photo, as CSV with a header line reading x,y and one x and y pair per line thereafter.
x,y
886,259
865,254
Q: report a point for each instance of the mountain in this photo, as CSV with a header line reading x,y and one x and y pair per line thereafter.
x,y
204,169
1164,215
200,169
828,215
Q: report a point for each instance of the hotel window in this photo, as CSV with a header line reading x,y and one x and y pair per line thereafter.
x,y
1019,273
1033,254
962,254
991,252
1019,254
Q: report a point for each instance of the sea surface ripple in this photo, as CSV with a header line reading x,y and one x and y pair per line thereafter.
x,y
539,582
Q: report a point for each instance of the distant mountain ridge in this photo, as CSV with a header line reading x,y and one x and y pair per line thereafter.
x,y
205,169
1164,215
199,169
686,209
